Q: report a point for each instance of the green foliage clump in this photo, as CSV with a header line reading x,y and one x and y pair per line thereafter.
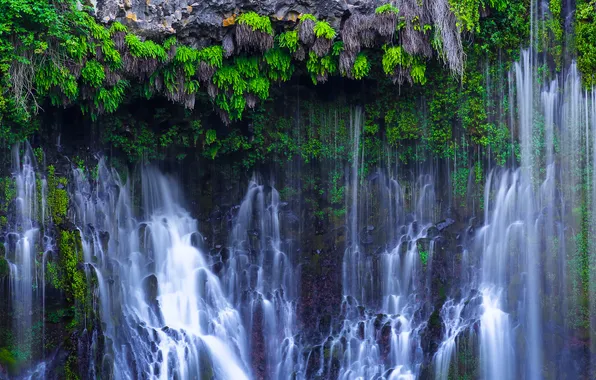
x,y
288,40
52,275
324,30
395,56
117,27
467,12
57,195
401,126
256,22
93,73
8,189
387,8
145,49
307,16
585,34
423,257
321,68
8,361
279,64
4,270
361,66
213,55
71,254
460,182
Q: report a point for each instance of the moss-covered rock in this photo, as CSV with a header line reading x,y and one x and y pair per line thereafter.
x,y
71,256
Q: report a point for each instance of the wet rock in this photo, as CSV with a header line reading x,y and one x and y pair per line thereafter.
x,y
206,22
431,335
444,224
385,340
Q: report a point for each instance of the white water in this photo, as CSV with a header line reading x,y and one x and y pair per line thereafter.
x,y
165,313
261,280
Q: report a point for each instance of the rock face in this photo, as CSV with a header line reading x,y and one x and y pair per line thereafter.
x,y
201,22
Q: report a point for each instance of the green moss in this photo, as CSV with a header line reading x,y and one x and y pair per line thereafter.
x,y
8,188
7,360
53,275
71,255
71,367
4,270
57,195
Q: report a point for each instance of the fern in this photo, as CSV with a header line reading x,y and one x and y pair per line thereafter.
x,y
93,73
229,76
169,42
248,67
187,58
111,55
307,16
145,49
361,66
320,66
260,87
338,47
212,55
280,64
324,30
417,72
111,98
289,40
256,22
387,8
395,56
117,27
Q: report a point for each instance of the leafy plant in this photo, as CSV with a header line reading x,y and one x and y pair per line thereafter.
x,y
93,73
256,22
289,40
361,66
387,8
324,30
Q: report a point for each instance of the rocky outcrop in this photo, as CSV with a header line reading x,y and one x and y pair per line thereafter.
x,y
200,22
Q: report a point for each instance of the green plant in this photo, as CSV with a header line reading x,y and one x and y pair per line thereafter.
x,y
361,66
387,8
57,196
289,40
71,254
307,16
256,22
324,30
585,31
423,254
93,73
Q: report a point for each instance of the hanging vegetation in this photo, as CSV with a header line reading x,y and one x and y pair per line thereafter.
x,y
70,59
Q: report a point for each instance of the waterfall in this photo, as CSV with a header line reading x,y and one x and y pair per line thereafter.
x,y
165,313
260,264
25,246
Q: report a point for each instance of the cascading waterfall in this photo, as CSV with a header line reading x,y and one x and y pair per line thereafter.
x,y
171,308
380,334
260,265
522,242
164,312
26,247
